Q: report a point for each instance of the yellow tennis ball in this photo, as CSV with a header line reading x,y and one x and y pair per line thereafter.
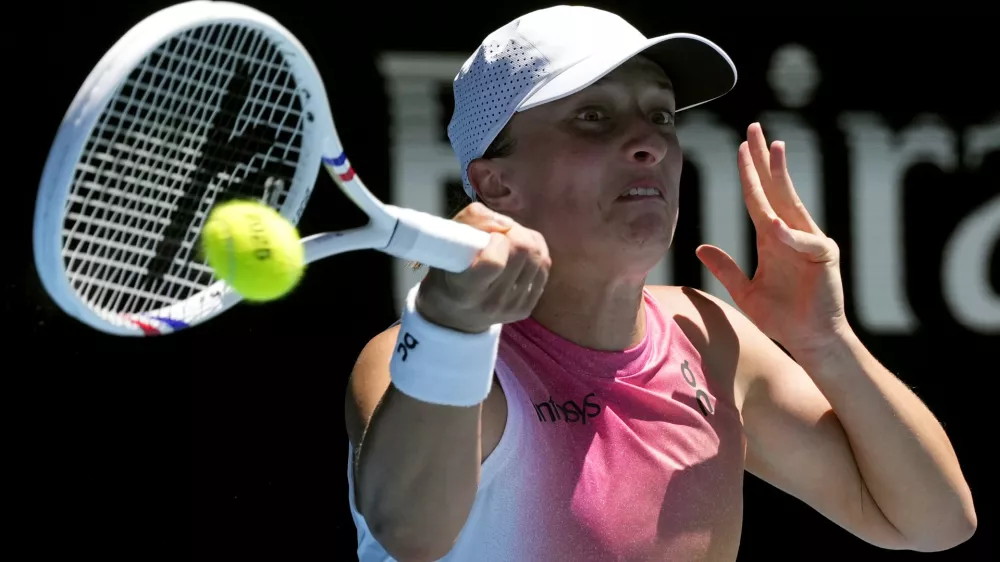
x,y
253,249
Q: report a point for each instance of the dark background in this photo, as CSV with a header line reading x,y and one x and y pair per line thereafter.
x,y
228,441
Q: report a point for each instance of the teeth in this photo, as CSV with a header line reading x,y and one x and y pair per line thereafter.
x,y
643,191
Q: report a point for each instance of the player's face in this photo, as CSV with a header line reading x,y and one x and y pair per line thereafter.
x,y
597,173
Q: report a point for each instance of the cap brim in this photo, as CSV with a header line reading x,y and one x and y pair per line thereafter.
x,y
699,70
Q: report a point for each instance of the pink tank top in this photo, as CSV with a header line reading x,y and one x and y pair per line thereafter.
x,y
606,455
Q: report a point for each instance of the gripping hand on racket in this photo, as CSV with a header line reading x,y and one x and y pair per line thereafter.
x,y
412,452
503,284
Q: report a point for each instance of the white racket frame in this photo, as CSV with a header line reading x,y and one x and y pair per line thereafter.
x,y
400,232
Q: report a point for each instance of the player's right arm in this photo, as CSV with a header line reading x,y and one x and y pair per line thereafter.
x,y
417,466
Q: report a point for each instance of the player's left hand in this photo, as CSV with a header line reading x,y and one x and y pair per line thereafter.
x,y
796,296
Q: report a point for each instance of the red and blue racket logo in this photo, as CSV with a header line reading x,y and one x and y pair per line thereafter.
x,y
150,329
339,163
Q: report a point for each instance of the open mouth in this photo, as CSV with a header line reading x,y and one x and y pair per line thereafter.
x,y
641,192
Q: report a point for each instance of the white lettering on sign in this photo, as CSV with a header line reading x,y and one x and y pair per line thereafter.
x,y
879,160
965,273
423,163
707,142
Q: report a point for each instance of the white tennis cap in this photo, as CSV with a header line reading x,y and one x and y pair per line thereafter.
x,y
555,52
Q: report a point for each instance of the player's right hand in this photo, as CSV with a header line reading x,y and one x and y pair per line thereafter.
x,y
503,284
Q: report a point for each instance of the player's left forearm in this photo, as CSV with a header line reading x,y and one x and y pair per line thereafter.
x,y
902,452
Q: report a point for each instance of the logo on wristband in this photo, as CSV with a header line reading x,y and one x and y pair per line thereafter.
x,y
406,343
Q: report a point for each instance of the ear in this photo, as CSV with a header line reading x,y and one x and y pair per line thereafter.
x,y
487,178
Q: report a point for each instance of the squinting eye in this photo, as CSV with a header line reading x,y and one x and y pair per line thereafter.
x,y
590,115
663,118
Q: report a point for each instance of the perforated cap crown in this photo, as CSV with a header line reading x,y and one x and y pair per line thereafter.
x,y
552,53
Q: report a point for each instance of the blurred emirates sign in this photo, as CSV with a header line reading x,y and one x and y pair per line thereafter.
x,y
914,204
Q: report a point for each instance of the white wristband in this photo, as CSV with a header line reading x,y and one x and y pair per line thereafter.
x,y
440,365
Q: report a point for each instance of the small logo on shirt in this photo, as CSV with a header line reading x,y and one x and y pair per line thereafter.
x,y
569,411
700,396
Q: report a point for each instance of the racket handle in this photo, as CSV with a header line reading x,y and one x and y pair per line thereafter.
x,y
434,241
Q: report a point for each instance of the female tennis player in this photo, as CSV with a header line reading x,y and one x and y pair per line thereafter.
x,y
547,404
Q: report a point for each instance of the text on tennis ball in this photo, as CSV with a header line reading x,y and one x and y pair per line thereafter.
x,y
258,236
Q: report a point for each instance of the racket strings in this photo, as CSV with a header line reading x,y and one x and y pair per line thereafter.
x,y
144,145
193,205
173,141
149,145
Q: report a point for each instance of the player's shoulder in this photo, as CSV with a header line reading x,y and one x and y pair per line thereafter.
x,y
714,327
712,324
707,311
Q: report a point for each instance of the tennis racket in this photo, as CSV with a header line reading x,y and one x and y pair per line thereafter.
x,y
199,103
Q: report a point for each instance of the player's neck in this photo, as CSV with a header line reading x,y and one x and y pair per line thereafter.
x,y
593,309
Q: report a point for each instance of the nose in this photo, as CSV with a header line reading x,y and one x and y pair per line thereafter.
x,y
646,143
